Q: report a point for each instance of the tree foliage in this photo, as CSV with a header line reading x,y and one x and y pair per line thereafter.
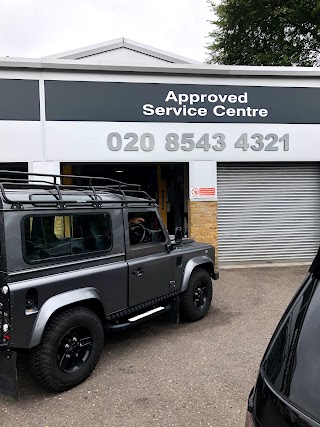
x,y
265,32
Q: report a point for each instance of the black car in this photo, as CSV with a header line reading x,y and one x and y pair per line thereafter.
x,y
287,392
79,260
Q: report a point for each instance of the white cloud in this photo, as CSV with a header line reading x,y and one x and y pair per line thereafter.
x,y
37,28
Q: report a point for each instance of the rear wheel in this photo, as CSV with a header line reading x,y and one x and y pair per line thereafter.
x,y
69,350
196,299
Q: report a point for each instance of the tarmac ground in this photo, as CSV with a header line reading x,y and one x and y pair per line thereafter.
x,y
164,374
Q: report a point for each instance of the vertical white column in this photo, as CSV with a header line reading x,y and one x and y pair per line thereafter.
x,y
203,180
47,167
44,167
203,205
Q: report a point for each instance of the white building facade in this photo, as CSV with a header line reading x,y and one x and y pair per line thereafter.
x,y
231,153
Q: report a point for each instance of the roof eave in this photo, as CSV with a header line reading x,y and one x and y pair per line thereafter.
x,y
186,69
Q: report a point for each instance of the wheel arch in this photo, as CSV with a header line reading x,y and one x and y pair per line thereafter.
x,y
204,262
85,297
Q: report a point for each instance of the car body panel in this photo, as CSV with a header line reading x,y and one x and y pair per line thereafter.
x,y
39,285
287,390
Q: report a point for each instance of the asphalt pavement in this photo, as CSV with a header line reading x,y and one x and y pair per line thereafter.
x,y
164,374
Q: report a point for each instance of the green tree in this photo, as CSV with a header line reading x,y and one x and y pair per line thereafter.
x,y
265,32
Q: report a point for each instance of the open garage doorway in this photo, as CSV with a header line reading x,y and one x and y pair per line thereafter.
x,y
13,167
165,182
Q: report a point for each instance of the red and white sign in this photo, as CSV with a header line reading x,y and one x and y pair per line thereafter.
x,y
203,191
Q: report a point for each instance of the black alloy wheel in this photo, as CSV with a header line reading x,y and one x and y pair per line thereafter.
x,y
195,301
74,349
200,295
69,350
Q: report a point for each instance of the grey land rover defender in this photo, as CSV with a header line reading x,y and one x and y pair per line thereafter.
x,y
79,260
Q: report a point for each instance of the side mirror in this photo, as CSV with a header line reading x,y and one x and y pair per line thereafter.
x,y
178,235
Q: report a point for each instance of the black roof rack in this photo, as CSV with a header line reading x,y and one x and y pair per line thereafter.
x,y
56,191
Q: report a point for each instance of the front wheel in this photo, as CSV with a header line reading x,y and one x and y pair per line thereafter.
x,y
70,349
196,299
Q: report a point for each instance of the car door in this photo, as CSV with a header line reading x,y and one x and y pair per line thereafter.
x,y
149,261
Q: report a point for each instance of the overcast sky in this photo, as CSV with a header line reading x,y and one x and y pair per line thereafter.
x,y
35,28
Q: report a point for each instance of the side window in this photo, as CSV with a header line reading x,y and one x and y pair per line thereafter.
x,y
54,236
144,228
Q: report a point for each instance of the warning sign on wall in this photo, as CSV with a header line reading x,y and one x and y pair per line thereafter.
x,y
203,180
203,191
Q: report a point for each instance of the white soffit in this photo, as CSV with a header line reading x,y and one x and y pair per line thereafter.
x,y
125,45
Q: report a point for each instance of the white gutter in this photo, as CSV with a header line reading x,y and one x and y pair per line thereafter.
x,y
191,69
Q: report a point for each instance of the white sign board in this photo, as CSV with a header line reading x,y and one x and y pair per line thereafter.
x,y
20,141
181,142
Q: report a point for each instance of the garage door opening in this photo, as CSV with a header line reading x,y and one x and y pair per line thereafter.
x,y
167,183
11,167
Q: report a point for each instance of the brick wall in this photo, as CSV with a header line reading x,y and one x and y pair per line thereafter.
x,y
203,223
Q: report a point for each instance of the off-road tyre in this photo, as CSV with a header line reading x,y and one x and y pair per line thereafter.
x,y
44,358
199,290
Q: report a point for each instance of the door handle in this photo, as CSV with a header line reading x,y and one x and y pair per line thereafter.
x,y
138,272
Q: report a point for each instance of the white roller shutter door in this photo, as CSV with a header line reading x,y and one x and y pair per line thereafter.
x,y
268,212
